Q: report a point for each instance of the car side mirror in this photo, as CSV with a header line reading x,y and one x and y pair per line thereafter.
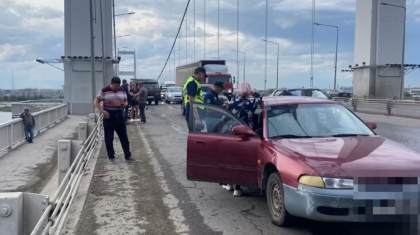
x,y
243,131
371,125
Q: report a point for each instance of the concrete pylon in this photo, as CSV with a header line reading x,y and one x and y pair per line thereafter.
x,y
77,78
379,49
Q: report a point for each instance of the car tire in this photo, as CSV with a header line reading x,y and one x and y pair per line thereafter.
x,y
275,201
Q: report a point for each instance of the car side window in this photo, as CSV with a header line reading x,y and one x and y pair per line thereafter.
x,y
212,120
278,93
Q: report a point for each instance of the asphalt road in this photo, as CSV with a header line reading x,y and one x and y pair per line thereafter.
x,y
206,208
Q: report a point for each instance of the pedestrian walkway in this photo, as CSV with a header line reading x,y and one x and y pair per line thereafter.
x,y
29,167
122,198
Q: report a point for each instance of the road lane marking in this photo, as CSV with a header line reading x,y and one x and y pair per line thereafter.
x,y
175,212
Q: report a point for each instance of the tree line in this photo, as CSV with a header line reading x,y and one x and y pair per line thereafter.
x,y
13,98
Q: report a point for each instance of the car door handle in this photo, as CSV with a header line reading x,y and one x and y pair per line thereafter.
x,y
200,142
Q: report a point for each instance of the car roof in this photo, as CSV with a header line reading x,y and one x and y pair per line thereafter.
x,y
284,100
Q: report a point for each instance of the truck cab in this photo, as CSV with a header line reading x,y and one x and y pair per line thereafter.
x,y
219,72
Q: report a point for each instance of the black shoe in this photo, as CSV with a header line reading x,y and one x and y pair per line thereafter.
x,y
130,160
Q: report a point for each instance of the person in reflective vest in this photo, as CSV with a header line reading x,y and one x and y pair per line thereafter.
x,y
192,91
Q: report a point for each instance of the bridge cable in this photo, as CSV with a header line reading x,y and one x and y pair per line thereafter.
x,y
173,45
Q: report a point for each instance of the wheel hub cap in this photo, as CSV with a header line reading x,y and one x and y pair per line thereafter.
x,y
277,200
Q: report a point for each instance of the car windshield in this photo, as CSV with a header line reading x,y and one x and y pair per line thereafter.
x,y
213,79
151,85
170,85
164,89
175,89
313,120
308,92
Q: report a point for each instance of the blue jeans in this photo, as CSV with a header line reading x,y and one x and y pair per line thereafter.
x,y
29,133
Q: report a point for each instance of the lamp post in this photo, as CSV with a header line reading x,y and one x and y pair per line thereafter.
x,y
92,52
113,14
129,13
237,41
122,36
266,31
218,28
244,62
336,51
237,66
278,55
403,49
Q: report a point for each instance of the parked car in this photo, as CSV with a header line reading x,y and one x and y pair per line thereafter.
x,y
310,92
173,95
304,154
345,95
153,89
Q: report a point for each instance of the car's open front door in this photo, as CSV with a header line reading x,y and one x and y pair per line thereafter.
x,y
214,153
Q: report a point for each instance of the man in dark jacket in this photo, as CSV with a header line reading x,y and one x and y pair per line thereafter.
x,y
126,88
29,125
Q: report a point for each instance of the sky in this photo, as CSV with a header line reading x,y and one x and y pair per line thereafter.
x,y
31,29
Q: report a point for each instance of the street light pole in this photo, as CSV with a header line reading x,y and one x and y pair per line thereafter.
x,y
92,52
237,44
218,28
244,62
403,49
266,25
278,56
336,51
204,29
115,36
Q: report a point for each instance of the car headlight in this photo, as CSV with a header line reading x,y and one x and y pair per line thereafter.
x,y
170,96
329,183
230,90
333,183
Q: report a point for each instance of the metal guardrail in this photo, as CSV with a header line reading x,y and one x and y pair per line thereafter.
x,y
387,105
12,132
59,205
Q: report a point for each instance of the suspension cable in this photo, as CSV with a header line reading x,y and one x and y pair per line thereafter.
x,y
179,29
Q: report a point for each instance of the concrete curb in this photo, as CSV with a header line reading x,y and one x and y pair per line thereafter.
x,y
82,194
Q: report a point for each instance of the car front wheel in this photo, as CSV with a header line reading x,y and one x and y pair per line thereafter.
x,y
275,200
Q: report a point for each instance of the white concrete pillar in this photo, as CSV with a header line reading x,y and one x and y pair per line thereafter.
x,y
77,78
64,159
83,131
378,44
11,213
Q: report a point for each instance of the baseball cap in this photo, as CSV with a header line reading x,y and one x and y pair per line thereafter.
x,y
220,84
201,70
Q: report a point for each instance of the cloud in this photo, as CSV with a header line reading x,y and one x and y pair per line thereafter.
x,y
284,23
33,29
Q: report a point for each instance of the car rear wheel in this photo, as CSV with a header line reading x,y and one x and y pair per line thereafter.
x,y
276,201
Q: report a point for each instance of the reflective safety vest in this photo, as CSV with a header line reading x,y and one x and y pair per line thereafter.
x,y
198,97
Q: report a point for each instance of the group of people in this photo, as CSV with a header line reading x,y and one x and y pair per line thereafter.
x,y
137,99
242,106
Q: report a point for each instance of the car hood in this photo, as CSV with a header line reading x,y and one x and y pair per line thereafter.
x,y
348,157
174,93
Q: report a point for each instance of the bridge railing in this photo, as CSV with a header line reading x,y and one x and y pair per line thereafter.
x,y
54,217
12,132
406,108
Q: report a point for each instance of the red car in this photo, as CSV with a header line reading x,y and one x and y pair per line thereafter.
x,y
310,156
